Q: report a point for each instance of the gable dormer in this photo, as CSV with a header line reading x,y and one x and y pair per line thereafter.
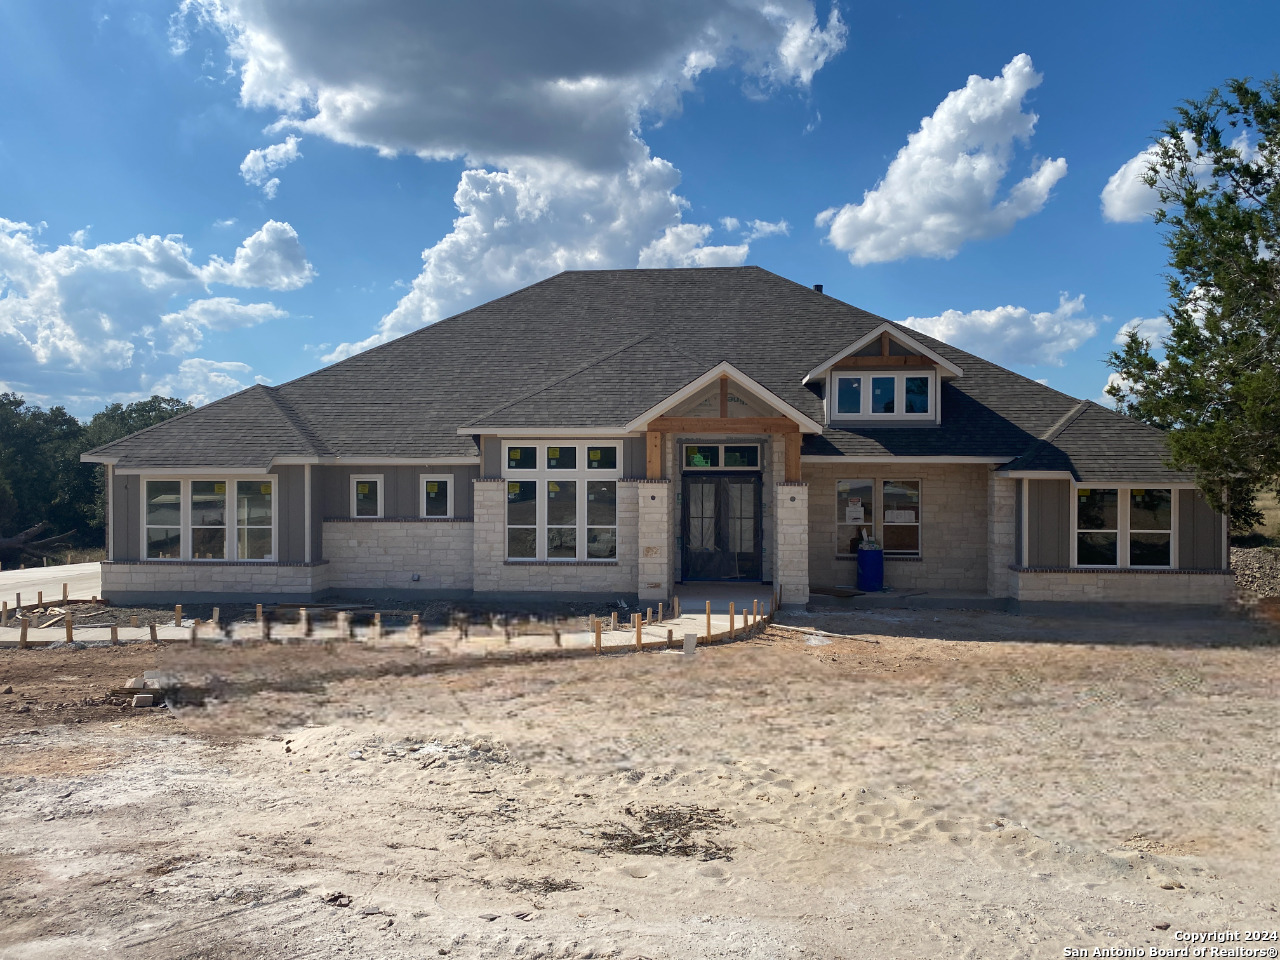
x,y
885,378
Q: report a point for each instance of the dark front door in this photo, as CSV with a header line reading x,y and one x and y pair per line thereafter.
x,y
721,526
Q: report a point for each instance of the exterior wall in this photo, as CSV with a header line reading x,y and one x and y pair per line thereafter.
x,y
1049,523
1115,586
634,466
494,575
164,581
384,555
953,529
656,540
126,516
791,547
490,456
291,514
1199,532
1002,533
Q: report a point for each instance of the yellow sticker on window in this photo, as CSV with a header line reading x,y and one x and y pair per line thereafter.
x,y
433,487
219,488
362,488
265,488
514,453
513,488
1139,493
553,451
553,487
1085,491
594,455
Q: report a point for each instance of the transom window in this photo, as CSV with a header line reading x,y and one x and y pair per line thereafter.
x,y
1123,527
562,501
877,396
190,519
722,456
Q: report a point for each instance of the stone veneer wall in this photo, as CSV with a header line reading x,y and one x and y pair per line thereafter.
x,y
953,529
139,581
656,540
493,574
1002,530
791,543
385,554
1210,587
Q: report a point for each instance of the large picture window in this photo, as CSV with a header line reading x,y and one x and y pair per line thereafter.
x,y
209,519
1123,527
562,501
901,504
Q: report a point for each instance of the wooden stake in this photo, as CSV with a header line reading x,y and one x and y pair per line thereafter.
x,y
304,619
258,613
614,625
733,623
415,628
648,615
65,594
4,613
39,598
598,625
66,620
154,637
216,617
17,604
755,612
344,625
660,616
133,621
675,603
708,621
177,615
744,618
671,634
195,630
22,631
639,644
115,635
377,626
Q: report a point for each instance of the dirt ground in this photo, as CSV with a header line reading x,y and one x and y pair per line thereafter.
x,y
926,784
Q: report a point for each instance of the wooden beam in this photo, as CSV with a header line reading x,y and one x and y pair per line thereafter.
x,y
653,455
855,363
723,425
724,396
884,343
793,457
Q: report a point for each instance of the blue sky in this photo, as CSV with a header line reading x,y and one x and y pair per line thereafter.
x,y
197,195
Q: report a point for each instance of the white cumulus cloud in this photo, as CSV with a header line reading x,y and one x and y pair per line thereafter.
x,y
199,381
272,258
1126,198
684,246
184,329
546,104
943,187
1013,335
258,166
1150,329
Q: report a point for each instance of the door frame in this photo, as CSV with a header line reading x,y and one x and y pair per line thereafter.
x,y
756,479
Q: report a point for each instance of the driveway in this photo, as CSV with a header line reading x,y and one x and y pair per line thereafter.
x,y
83,580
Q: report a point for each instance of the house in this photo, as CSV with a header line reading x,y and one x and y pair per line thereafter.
x,y
617,432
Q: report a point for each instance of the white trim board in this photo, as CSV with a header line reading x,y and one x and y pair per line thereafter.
x,y
725,368
890,458
895,333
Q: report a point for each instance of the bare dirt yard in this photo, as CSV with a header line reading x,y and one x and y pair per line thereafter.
x,y
946,784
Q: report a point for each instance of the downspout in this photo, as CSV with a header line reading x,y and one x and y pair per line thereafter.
x,y
306,509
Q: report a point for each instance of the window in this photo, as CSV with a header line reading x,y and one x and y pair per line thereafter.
x,y
208,519
254,520
437,496
901,504
881,396
199,520
366,496
522,458
602,520
1150,528
849,395
555,512
855,515
522,519
1124,527
717,456
164,519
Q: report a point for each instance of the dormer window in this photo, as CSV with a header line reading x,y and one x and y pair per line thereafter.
x,y
876,396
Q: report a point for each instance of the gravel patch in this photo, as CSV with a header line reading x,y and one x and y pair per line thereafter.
x,y
1257,570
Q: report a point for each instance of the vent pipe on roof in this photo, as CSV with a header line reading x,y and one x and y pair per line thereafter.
x,y
817,288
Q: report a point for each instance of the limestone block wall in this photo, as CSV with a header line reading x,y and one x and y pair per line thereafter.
x,y
656,540
492,573
1115,586
791,542
385,554
1002,498
147,581
953,529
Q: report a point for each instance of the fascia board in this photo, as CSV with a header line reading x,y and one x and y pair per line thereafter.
x,y
725,368
890,458
898,335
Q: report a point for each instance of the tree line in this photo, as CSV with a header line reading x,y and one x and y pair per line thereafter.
x,y
44,485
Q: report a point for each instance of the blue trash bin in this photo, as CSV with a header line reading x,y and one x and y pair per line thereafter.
x,y
870,567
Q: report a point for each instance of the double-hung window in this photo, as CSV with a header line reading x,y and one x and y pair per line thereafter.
x,y
562,501
1123,527
209,519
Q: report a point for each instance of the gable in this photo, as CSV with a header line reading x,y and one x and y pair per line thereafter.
x,y
737,403
887,346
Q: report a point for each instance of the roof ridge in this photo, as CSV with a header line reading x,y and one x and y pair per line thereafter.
x,y
299,424
551,383
1065,421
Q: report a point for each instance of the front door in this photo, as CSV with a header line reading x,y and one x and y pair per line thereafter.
x,y
721,527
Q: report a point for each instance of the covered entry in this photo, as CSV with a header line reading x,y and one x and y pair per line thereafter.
x,y
720,526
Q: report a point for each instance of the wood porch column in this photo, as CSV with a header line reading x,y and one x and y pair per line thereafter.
x,y
792,441
653,455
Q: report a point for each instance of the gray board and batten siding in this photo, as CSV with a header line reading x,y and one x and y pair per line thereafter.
x,y
1199,532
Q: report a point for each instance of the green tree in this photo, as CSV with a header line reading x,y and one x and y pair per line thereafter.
x,y
1216,173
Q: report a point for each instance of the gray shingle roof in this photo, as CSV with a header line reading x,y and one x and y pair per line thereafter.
x,y
597,348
